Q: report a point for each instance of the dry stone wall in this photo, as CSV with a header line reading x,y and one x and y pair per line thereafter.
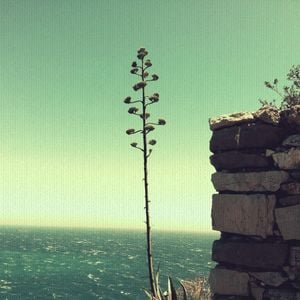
x,y
257,205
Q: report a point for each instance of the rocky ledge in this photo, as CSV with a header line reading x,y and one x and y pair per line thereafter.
x,y
257,207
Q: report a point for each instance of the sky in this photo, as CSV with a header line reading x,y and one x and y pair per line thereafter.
x,y
65,71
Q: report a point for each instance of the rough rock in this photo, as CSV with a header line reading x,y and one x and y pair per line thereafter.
x,y
288,220
269,152
295,174
230,120
256,291
232,297
291,117
292,188
269,181
247,136
265,256
296,282
295,257
231,213
292,141
289,200
270,278
232,160
287,160
296,285
268,114
229,282
280,294
291,271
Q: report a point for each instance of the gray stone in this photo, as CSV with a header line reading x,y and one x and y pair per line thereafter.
x,y
269,152
291,116
261,255
269,181
288,221
247,136
289,200
295,257
268,114
292,188
295,174
244,214
231,297
256,291
231,160
292,140
291,271
287,160
230,120
229,282
270,278
296,285
280,294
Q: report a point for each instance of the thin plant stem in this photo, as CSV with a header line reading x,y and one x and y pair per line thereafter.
x,y
147,211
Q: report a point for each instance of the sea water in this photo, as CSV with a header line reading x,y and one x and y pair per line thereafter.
x,y
48,263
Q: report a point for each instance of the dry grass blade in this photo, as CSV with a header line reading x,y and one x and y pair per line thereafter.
x,y
197,289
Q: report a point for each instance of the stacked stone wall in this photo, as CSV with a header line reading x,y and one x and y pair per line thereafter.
x,y
257,207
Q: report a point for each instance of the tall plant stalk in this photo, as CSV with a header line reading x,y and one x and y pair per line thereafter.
x,y
147,127
147,210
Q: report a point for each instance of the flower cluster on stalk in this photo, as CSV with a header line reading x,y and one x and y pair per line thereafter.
x,y
140,69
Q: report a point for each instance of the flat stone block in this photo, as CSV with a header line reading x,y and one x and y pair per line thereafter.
x,y
295,174
264,256
289,200
222,297
256,291
288,160
230,120
295,256
270,278
229,282
269,181
292,141
292,188
268,114
244,214
280,294
288,221
231,160
247,136
291,116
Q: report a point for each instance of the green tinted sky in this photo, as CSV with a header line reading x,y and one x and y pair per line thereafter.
x,y
65,157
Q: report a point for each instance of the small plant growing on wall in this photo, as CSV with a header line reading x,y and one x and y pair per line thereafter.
x,y
291,94
139,108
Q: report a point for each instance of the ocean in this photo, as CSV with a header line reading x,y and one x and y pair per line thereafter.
x,y
51,263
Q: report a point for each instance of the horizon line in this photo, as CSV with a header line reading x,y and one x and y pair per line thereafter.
x,y
60,227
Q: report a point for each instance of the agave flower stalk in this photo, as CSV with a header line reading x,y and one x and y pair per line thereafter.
x,y
147,210
146,129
